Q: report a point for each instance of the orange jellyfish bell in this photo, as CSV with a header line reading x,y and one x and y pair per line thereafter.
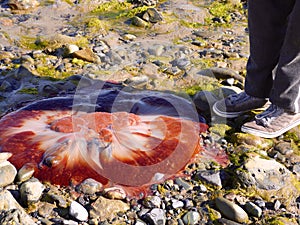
x,y
64,144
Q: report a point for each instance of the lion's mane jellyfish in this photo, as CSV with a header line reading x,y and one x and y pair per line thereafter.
x,y
67,141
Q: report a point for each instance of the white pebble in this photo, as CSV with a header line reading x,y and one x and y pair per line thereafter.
x,y
78,211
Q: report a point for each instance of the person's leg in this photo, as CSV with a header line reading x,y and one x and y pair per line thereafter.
x,y
286,86
267,21
283,114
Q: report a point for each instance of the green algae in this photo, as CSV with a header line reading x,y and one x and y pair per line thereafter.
x,y
293,137
132,12
112,6
33,43
290,135
42,43
222,130
95,25
117,10
278,220
221,10
221,13
203,63
193,89
134,71
194,25
6,35
47,71
239,156
109,15
213,214
79,62
31,91
275,221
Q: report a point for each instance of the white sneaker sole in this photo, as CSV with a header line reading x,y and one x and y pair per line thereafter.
x,y
226,114
268,134
236,114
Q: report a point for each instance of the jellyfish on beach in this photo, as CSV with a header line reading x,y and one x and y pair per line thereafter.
x,y
65,146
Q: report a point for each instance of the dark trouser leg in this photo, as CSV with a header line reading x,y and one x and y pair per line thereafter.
x,y
286,86
267,28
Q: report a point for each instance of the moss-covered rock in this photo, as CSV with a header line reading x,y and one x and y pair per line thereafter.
x,y
269,178
252,141
222,130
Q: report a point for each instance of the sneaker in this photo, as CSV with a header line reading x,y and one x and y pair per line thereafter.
x,y
237,104
272,123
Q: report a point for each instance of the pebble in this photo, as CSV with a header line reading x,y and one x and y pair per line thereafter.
x,y
114,193
7,172
137,81
277,204
156,50
204,101
90,186
31,190
284,148
78,211
17,215
296,169
46,209
210,176
224,221
184,184
253,209
177,204
59,200
202,188
152,15
139,22
188,203
260,203
181,63
231,210
152,202
69,222
266,174
155,217
129,37
224,73
104,208
71,48
4,156
191,218
25,173
86,54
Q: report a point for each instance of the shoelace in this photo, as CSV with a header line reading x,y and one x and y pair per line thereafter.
x,y
269,115
236,98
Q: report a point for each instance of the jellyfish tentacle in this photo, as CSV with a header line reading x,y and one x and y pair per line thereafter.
x,y
96,152
55,154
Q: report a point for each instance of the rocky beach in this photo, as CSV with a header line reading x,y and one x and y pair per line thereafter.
x,y
194,50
